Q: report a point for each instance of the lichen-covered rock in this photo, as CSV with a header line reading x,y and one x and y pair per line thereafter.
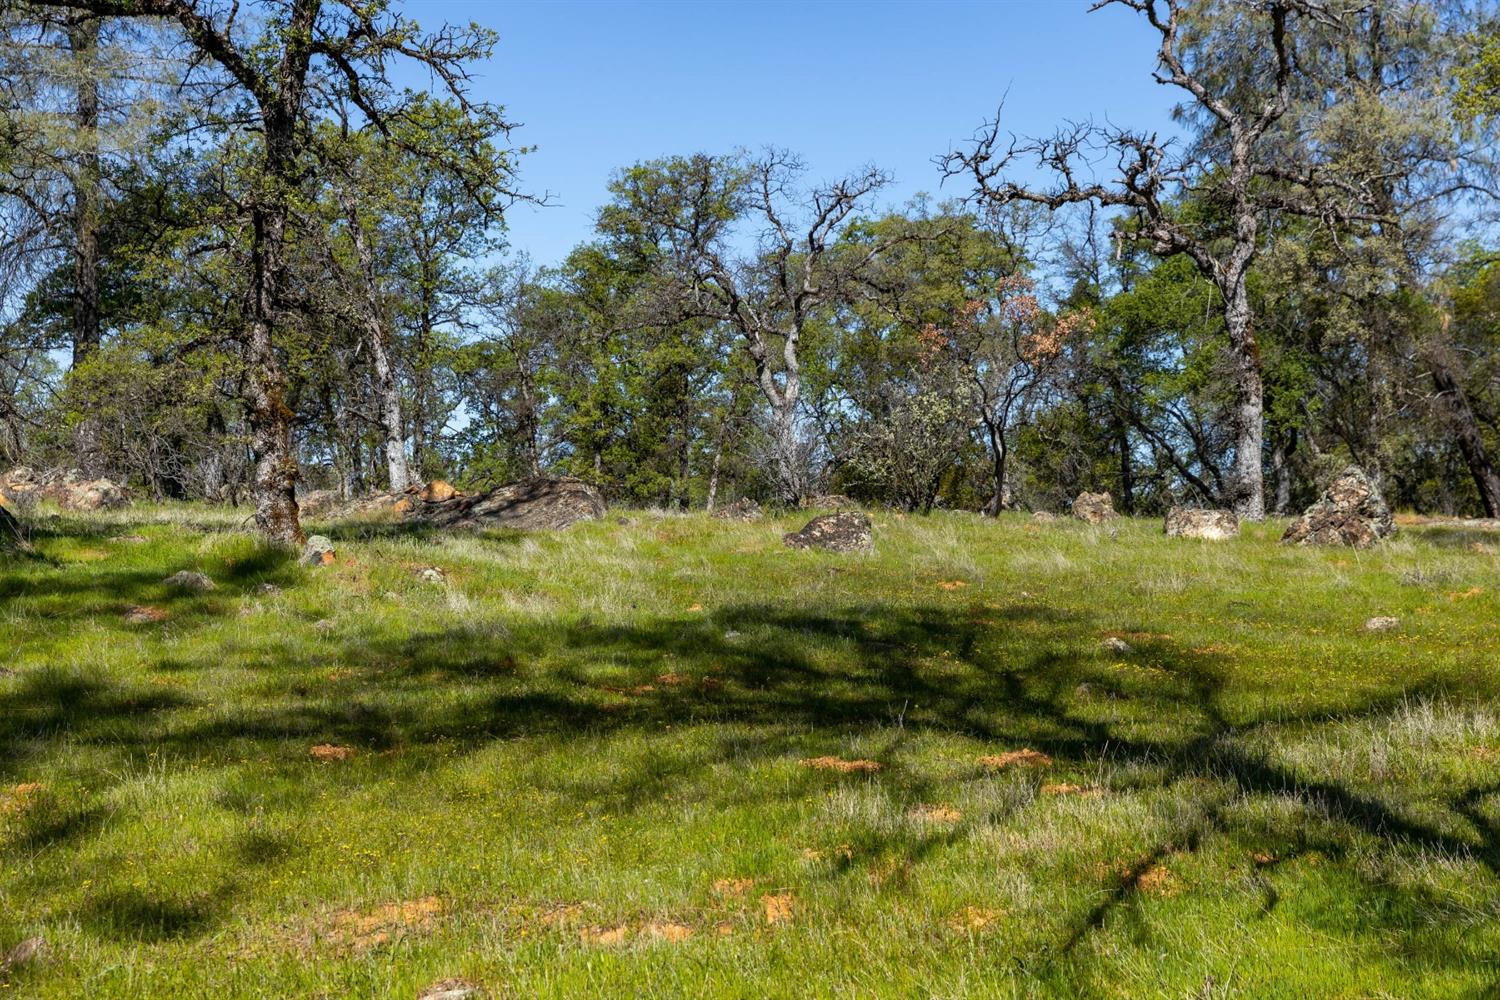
x,y
188,580
1350,512
1186,522
540,504
829,501
850,531
1095,508
1044,517
318,551
743,509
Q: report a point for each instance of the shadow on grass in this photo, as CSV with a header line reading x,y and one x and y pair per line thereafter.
x,y
782,679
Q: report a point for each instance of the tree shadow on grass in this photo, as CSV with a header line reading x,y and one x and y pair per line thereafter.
x,y
784,681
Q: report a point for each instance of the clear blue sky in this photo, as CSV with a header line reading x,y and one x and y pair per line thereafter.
x,y
600,85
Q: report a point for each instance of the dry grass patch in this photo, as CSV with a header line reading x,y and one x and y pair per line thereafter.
x,y
831,763
1026,757
733,886
973,918
1066,788
934,814
330,751
362,930
778,907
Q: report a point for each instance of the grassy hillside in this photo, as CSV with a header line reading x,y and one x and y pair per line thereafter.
x,y
673,758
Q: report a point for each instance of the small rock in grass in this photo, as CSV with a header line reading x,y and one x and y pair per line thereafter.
x,y
318,551
269,589
1044,517
1382,623
188,580
450,989
731,635
28,951
1115,644
324,625
432,574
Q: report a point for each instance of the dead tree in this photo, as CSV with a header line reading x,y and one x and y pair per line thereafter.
x,y
1235,169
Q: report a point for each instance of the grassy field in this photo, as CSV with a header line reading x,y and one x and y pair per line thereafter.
x,y
673,758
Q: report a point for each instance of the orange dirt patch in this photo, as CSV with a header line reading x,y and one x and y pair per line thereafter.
x,y
1262,859
1485,753
19,797
141,614
329,751
841,765
1158,880
637,690
952,584
608,936
695,607
935,814
667,931
778,907
1026,757
973,918
672,680
362,930
1064,788
560,916
890,870
733,886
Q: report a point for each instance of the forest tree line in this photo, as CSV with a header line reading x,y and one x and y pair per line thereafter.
x,y
239,259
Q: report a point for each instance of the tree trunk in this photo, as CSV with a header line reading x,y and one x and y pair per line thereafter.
x,y
1282,471
713,472
1455,403
1248,488
83,40
999,453
1127,470
387,389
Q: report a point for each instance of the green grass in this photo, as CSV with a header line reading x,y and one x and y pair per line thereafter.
x,y
580,734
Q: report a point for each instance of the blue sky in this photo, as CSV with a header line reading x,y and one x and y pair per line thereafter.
x,y
599,86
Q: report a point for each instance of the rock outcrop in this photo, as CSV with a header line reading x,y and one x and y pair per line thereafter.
x,y
1095,508
318,551
1186,522
70,489
1350,512
540,504
743,509
850,531
829,501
